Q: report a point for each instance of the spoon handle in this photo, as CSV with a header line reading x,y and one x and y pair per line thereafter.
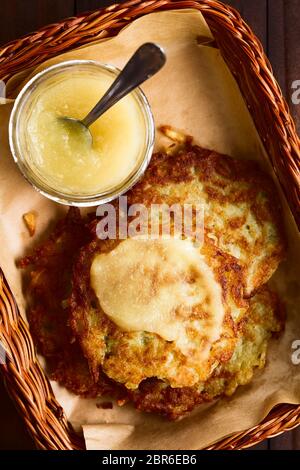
x,y
145,62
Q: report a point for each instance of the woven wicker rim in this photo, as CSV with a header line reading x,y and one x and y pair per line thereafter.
x,y
25,380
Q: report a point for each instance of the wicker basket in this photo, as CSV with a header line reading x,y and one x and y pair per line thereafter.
x,y
25,380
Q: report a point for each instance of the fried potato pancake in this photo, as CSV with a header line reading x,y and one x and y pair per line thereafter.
x,y
242,214
243,244
131,357
48,288
48,318
265,317
242,249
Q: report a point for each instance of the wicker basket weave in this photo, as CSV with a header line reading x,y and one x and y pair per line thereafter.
x,y
243,53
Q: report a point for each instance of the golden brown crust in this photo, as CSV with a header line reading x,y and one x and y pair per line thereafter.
x,y
50,281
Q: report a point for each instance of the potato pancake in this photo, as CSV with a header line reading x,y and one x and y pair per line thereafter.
x,y
129,357
242,214
48,318
265,317
165,324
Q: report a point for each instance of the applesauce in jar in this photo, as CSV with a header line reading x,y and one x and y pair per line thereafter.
x,y
58,161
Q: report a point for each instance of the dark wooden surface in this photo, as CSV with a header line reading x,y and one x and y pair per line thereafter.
x,y
276,23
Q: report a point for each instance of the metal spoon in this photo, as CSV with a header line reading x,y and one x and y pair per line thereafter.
x,y
145,62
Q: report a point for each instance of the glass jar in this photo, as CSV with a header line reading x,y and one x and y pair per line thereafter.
x,y
24,151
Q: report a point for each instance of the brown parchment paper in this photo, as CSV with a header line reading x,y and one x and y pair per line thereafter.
x,y
196,93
